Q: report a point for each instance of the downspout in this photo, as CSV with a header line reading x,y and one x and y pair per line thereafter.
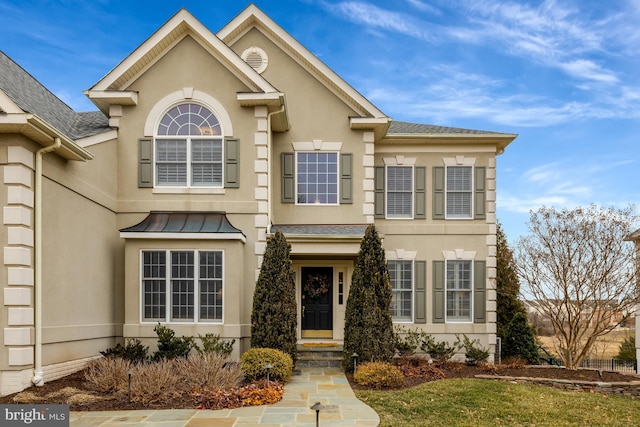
x,y
38,377
269,161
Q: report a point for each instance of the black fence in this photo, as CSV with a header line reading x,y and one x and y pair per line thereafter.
x,y
610,365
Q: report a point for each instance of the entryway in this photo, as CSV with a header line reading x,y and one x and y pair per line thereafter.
x,y
316,302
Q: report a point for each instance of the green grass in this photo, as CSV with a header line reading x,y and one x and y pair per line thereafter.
x,y
472,402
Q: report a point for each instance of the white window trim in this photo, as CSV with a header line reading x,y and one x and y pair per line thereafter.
x,y
459,161
196,291
318,151
459,255
189,185
404,255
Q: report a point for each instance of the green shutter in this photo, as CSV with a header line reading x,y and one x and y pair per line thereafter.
x,y
420,194
288,177
145,163
438,292
479,292
420,293
346,182
379,192
438,192
480,201
231,163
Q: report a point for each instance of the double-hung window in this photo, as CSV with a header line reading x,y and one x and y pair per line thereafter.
x,y
459,282
459,186
401,278
399,192
182,286
189,148
317,178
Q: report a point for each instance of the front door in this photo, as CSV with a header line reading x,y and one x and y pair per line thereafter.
x,y
317,302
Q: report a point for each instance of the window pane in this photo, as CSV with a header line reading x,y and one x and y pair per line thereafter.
x,y
189,119
399,192
211,285
459,191
182,285
154,285
401,278
317,178
459,178
459,290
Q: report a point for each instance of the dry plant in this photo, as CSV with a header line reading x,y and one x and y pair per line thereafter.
x,y
107,374
153,382
209,370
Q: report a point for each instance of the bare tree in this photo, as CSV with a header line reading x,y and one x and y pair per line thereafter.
x,y
578,269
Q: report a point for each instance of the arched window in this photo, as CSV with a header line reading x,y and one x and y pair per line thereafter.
x,y
189,148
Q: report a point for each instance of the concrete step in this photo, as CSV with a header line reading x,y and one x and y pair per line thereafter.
x,y
319,356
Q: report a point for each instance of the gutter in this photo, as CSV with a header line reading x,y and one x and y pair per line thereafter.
x,y
38,377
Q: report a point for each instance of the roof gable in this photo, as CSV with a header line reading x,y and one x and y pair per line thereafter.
x,y
252,17
181,25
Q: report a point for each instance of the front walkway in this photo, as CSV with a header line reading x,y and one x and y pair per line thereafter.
x,y
328,386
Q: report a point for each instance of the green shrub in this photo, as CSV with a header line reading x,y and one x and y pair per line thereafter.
x,y
475,354
213,344
133,351
170,346
378,375
627,350
440,351
407,341
519,340
253,364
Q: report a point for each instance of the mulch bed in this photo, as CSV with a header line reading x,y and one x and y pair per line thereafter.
x,y
83,399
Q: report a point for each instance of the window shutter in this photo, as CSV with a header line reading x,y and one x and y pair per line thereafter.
x,y
421,197
480,202
439,292
479,292
231,163
438,192
346,185
145,163
420,294
288,177
379,192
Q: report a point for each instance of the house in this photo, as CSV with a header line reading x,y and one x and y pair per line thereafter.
x,y
158,207
635,238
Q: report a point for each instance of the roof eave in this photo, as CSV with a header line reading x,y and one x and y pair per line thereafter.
x,y
274,101
500,140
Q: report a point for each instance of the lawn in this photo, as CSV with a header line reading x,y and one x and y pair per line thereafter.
x,y
473,402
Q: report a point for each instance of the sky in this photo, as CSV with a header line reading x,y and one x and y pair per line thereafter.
x,y
562,74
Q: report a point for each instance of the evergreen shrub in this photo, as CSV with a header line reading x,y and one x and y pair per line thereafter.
x,y
378,375
253,361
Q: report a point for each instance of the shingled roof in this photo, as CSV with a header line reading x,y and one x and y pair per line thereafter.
x,y
32,97
404,128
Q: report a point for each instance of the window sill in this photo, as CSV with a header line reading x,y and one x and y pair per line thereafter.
x,y
190,190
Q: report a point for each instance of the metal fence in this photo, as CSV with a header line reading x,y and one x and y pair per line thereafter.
x,y
611,365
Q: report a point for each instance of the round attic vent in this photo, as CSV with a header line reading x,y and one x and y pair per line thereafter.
x,y
256,58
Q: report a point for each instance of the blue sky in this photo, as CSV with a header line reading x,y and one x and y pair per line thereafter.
x,y
564,75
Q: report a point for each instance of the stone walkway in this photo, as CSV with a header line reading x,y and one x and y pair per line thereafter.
x,y
328,386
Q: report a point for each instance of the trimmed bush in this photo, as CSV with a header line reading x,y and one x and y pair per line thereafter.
x,y
132,351
274,318
475,354
368,329
378,375
214,344
440,351
170,346
253,364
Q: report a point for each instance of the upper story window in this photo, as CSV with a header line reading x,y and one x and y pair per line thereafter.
x,y
189,148
317,178
399,192
459,192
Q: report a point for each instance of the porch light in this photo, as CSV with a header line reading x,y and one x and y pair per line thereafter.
x,y
317,407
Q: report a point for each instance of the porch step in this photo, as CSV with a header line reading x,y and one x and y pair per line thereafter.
x,y
319,356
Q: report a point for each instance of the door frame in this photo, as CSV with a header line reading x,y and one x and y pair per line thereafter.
x,y
342,269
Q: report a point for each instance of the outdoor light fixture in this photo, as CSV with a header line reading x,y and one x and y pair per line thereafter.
x,y
129,375
267,367
317,407
354,356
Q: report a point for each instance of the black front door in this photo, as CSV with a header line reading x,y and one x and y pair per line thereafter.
x,y
317,302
